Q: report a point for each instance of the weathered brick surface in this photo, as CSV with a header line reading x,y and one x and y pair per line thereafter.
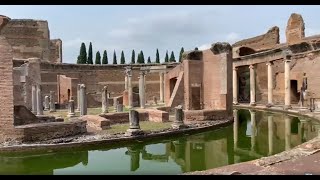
x,y
205,115
96,122
67,87
295,29
157,115
56,51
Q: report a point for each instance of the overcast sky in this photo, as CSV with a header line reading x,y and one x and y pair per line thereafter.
x,y
149,27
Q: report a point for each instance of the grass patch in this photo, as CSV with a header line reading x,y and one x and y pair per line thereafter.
x,y
144,125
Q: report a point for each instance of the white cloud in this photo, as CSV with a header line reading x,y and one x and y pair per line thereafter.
x,y
311,31
204,46
232,37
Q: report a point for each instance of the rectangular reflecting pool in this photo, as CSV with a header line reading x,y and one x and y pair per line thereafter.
x,y
254,134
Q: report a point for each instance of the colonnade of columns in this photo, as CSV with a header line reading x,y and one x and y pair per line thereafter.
x,y
287,105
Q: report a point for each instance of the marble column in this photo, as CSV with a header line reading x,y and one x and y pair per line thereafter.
x,y
253,129
287,82
287,121
270,84
71,108
39,101
104,100
270,134
235,128
252,86
83,100
78,97
134,128
142,89
125,82
52,102
130,93
34,99
162,87
235,86
46,103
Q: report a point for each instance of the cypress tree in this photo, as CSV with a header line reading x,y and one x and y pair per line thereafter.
x,y
133,57
181,52
196,48
98,58
122,59
105,57
139,58
157,57
90,59
114,57
149,60
172,58
83,54
166,59
142,57
78,60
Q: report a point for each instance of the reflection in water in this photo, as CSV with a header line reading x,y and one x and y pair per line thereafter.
x,y
254,134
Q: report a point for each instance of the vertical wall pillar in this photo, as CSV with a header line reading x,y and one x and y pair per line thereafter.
x,y
252,86
270,84
235,86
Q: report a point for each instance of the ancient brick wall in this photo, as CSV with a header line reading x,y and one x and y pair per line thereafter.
x,y
258,43
97,76
55,51
67,87
295,29
28,38
7,130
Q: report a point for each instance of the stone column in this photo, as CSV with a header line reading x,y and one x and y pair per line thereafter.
x,y
162,87
46,103
253,129
115,103
178,121
134,128
235,86
34,99
130,93
52,102
125,82
270,84
235,128
119,107
39,101
134,158
270,133
104,100
252,86
287,83
142,89
83,100
71,108
78,97
287,121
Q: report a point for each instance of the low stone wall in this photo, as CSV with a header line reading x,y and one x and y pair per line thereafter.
x,y
96,122
205,115
155,115
123,117
45,131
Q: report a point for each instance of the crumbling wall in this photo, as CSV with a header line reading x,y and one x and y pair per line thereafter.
x,y
251,45
295,29
28,38
56,51
67,87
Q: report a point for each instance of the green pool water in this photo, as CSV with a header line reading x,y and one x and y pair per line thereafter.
x,y
253,135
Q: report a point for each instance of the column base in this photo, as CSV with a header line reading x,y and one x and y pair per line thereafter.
x,y
286,107
134,132
46,109
253,104
176,125
269,105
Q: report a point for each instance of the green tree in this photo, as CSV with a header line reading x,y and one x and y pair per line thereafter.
x,y
90,58
172,58
105,57
83,54
122,59
141,57
181,52
196,48
98,58
157,57
78,60
114,57
149,60
133,57
166,59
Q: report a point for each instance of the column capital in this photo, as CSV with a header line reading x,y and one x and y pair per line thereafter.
x,y
128,71
105,88
252,111
82,86
270,63
252,66
235,68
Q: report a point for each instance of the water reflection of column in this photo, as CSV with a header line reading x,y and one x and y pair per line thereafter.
x,y
230,147
179,149
287,121
135,158
235,128
270,134
253,129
